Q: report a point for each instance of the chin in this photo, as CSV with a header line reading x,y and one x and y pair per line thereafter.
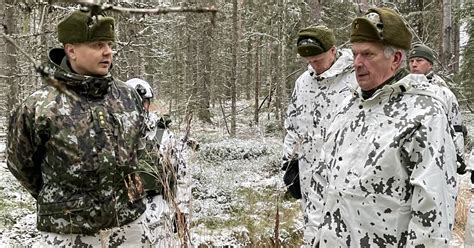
x,y
102,73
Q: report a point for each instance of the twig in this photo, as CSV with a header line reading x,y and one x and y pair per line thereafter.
x,y
223,114
45,72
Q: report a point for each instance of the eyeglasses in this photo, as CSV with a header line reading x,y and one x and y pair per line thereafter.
x,y
374,17
309,41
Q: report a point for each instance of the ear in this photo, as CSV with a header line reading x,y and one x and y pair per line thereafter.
x,y
70,51
397,59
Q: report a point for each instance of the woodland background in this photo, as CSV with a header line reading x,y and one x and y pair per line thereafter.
x,y
244,51
232,72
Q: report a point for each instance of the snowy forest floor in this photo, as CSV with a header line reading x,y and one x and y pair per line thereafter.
x,y
237,187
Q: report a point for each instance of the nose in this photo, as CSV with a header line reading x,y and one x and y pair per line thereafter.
x,y
107,49
357,61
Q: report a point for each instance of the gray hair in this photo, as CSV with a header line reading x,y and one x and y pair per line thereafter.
x,y
390,50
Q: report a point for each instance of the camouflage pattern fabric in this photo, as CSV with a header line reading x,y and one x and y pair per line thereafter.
x,y
151,229
388,170
470,163
78,158
166,155
165,169
310,112
452,109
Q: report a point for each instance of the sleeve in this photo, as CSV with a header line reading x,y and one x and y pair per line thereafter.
x,y
433,180
470,164
455,118
24,156
290,144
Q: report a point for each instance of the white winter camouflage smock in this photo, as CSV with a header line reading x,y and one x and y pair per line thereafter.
x,y
388,170
452,109
309,114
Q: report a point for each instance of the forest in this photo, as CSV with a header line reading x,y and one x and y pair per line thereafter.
x,y
223,70
244,50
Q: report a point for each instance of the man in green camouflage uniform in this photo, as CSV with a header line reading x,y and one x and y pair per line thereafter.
x,y
388,164
421,59
77,156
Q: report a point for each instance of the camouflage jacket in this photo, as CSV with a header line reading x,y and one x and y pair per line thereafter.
x,y
388,170
158,176
452,109
77,158
312,106
164,165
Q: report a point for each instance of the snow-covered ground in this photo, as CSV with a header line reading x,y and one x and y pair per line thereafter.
x,y
237,188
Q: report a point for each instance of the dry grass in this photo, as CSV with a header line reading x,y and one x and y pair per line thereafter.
x,y
462,206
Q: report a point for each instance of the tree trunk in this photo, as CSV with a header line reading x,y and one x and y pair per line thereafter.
x,y
248,73
257,79
204,113
282,97
363,6
9,61
315,6
446,51
456,39
236,33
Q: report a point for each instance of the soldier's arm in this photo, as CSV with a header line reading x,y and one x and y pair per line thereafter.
x,y
455,118
432,163
24,153
290,150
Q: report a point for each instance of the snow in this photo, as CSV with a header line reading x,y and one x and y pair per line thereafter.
x,y
236,188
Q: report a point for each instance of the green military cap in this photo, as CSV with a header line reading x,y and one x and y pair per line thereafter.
x,y
381,25
422,51
80,27
315,40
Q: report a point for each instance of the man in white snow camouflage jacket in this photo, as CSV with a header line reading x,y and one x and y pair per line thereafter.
x,y
388,164
316,95
421,59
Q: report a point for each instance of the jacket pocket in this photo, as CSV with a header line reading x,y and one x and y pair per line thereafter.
x,y
54,208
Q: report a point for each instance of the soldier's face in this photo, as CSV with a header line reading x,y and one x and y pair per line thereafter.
x,y
372,65
420,65
322,62
90,58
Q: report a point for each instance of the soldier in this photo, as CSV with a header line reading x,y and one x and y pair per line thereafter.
x,y
421,59
317,93
77,156
389,159
162,161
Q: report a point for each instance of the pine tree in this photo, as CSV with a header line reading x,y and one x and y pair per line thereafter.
x,y
466,74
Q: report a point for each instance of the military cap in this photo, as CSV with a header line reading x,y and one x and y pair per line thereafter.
x,y
80,27
422,51
315,40
382,25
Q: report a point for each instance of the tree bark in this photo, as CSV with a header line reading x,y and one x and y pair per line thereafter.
x,y
257,79
446,51
315,6
9,62
236,34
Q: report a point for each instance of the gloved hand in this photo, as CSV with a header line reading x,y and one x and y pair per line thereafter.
x,y
164,121
292,178
461,170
